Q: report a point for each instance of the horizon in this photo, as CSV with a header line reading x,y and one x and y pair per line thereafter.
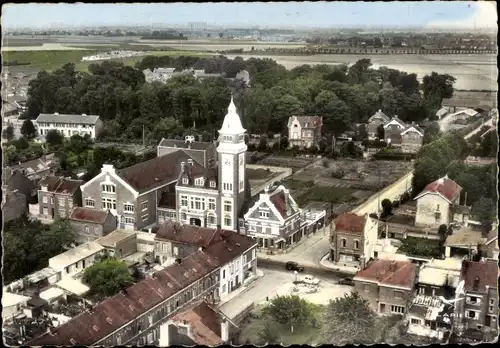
x,y
292,15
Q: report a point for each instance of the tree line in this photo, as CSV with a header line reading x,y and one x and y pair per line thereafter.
x,y
343,95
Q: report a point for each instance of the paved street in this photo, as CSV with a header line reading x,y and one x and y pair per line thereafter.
x,y
280,282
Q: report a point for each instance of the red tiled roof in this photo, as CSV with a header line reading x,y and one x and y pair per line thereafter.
x,y
187,234
89,215
387,272
483,273
204,323
278,200
350,222
156,172
112,313
446,187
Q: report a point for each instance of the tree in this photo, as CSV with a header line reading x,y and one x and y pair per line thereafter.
x,y
348,320
108,276
269,333
484,209
54,137
432,131
386,207
289,310
436,87
442,232
8,133
28,130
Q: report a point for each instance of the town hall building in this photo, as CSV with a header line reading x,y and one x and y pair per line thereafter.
x,y
190,183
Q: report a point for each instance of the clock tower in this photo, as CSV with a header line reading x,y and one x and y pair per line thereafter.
x,y
231,157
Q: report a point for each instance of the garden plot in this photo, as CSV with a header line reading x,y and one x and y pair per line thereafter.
x,y
288,162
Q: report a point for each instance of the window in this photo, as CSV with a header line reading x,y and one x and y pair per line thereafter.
x,y
144,217
491,308
211,204
398,294
61,201
86,228
211,219
416,321
45,211
108,203
45,199
342,243
437,207
108,188
185,181
224,288
197,203
366,288
242,184
356,244
473,300
421,290
128,208
397,309
264,214
51,200
199,182
227,187
227,221
492,301
212,184
251,227
227,206
471,314
224,274
184,201
129,220
144,206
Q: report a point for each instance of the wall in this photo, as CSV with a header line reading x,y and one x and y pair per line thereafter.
x,y
396,189
387,295
150,212
369,291
78,228
426,209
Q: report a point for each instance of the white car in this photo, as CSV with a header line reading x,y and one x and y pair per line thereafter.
x,y
310,280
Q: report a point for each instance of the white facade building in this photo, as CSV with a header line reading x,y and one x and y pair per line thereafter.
x,y
69,125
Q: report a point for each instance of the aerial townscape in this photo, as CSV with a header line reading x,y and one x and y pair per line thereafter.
x,y
318,175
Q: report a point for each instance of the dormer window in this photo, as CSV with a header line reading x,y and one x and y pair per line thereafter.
x,y
185,181
264,214
199,181
212,184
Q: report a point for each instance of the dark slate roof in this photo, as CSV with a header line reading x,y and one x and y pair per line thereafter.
x,y
68,118
194,171
479,275
156,172
118,310
380,114
186,234
61,185
308,121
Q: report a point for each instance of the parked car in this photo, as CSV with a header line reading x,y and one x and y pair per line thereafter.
x,y
294,266
310,280
346,281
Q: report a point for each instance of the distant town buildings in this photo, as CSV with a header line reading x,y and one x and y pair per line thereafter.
x,y
70,124
111,55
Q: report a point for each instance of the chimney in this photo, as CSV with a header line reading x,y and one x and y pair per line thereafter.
x,y
475,286
178,261
224,331
183,165
190,162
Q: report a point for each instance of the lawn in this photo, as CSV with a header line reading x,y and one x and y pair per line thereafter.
x,y
51,60
422,247
294,184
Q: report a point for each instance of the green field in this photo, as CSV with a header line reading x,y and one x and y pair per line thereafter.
x,y
51,60
326,194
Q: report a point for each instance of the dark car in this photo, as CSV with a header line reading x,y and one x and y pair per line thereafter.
x,y
294,266
346,281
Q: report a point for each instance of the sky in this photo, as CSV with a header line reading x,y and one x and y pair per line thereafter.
x,y
449,14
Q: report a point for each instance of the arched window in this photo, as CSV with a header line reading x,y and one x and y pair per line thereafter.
x,y
343,243
356,244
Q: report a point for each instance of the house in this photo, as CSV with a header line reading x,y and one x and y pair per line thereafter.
x,y
119,243
148,304
464,116
463,242
174,241
201,152
89,224
274,220
57,196
15,180
441,113
479,309
387,285
204,195
304,131
429,316
393,130
36,169
437,203
378,119
76,260
352,239
14,205
69,124
199,325
439,277
412,138
489,248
